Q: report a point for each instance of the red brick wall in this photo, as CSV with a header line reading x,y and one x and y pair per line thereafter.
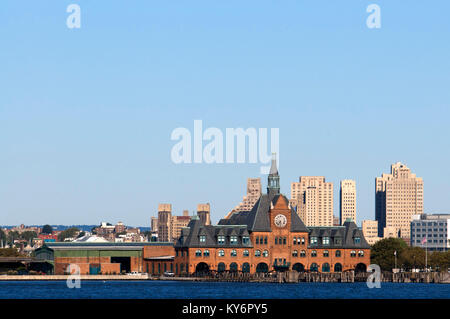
x,y
283,251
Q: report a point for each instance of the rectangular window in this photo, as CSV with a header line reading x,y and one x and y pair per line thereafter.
x,y
202,238
221,239
233,240
245,240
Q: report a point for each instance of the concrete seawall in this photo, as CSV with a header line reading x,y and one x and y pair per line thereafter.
x,y
285,277
64,277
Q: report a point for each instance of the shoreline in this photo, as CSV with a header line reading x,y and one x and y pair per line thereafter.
x,y
146,277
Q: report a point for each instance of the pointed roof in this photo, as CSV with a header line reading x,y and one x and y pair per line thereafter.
x,y
273,167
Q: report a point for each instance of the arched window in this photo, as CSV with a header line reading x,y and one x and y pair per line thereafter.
x,y
313,253
221,253
233,267
198,253
326,267
298,267
265,253
295,241
338,253
257,253
246,253
262,267
352,253
246,267
326,253
361,253
338,267
206,253
294,253
221,267
302,253
233,253
314,267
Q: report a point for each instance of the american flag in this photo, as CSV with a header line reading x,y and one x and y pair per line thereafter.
x,y
424,240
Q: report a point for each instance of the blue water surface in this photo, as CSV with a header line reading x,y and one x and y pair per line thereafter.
x,y
217,290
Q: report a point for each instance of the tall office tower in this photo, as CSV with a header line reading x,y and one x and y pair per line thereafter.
x,y
178,222
169,226
154,224
313,198
370,231
164,222
398,196
249,200
347,200
204,213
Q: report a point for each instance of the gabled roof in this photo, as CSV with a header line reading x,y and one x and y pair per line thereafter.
x,y
348,232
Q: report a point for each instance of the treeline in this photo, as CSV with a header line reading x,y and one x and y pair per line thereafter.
x,y
394,252
15,235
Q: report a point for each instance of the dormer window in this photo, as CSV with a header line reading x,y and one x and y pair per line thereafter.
x,y
203,238
357,240
338,241
325,240
221,239
313,240
245,240
233,240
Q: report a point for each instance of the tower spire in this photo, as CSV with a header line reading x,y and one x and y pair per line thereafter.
x,y
273,180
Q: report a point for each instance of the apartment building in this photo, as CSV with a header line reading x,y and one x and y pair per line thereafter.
x,y
313,198
398,196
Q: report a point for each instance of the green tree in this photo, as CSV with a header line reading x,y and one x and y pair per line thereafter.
x,y
12,236
47,229
68,233
2,237
412,258
440,261
28,235
382,252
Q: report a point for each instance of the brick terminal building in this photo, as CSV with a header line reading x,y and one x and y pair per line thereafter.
x,y
270,237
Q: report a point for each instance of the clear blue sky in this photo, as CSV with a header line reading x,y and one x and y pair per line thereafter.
x,y
86,115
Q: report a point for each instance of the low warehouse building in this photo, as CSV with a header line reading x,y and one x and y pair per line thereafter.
x,y
98,258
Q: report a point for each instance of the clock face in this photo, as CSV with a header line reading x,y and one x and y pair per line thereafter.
x,y
280,220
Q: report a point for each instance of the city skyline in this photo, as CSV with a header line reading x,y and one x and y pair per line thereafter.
x,y
185,212
86,115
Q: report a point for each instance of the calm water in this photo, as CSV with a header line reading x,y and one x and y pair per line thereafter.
x,y
220,290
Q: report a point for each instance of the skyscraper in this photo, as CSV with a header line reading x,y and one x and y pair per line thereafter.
x,y
398,196
347,201
204,213
250,199
164,222
313,197
169,226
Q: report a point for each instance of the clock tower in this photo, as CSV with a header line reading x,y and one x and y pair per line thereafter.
x,y
273,181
